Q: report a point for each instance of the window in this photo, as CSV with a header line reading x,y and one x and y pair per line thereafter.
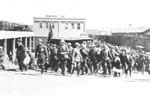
x,y
72,25
53,25
40,25
78,26
66,26
47,25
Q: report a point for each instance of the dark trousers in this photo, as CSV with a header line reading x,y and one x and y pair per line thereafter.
x,y
69,67
89,64
53,63
84,67
41,64
77,66
63,66
21,64
106,65
95,66
128,70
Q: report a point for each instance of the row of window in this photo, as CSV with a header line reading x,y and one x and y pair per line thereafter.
x,y
66,27
73,26
47,25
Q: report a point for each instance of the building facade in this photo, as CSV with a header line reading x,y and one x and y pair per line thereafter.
x,y
66,28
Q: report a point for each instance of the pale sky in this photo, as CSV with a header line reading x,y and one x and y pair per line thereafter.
x,y
99,13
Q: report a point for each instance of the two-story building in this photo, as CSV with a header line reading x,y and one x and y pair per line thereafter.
x,y
62,28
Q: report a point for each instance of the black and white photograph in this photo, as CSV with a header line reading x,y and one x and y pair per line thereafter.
x,y
74,47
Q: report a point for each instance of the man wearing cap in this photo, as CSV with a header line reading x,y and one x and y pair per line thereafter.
x,y
20,55
63,56
42,55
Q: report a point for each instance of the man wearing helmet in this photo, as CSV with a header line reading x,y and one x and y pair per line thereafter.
x,y
63,56
42,55
77,58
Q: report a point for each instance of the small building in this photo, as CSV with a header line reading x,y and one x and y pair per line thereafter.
x,y
62,28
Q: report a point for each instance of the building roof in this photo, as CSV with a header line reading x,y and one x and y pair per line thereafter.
x,y
99,32
147,32
140,29
72,38
15,34
59,18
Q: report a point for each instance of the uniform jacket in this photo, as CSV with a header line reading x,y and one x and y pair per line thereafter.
x,y
84,52
20,53
41,52
63,52
54,53
76,56
93,54
106,55
70,52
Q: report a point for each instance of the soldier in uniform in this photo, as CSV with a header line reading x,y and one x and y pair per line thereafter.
x,y
54,57
20,55
49,55
93,58
63,56
77,59
128,61
32,59
42,55
70,51
84,52
106,65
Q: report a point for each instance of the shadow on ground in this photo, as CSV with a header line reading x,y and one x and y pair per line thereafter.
x,y
11,70
38,73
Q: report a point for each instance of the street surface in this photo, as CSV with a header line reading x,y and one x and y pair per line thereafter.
x,y
32,83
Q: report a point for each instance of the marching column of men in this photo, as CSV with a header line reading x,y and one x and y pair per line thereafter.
x,y
88,57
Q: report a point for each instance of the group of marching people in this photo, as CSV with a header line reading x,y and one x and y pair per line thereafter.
x,y
90,57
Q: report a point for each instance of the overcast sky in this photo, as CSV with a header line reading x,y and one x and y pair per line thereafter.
x,y
99,13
